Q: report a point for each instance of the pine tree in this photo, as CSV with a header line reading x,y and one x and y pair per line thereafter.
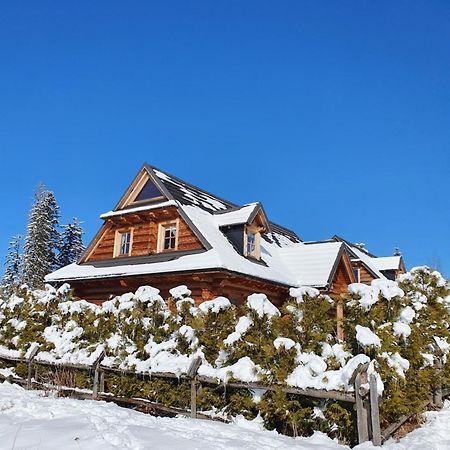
x,y
71,244
13,267
42,238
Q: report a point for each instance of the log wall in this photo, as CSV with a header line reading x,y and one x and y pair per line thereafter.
x,y
145,234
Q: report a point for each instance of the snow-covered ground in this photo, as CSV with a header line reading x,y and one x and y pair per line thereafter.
x,y
35,420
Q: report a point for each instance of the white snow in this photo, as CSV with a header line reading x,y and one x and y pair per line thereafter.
x,y
310,264
34,419
407,315
312,373
369,295
402,329
387,262
366,337
236,216
394,360
180,292
244,323
149,294
216,305
121,212
300,292
262,305
283,342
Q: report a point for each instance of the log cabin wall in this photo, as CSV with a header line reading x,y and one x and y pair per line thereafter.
x,y
145,234
342,279
204,286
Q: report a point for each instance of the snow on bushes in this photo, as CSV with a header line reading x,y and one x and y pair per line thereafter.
x,y
399,328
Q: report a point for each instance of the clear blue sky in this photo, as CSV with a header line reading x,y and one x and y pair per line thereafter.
x,y
334,114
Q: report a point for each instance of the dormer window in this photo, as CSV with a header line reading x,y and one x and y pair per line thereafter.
x,y
168,236
252,243
123,242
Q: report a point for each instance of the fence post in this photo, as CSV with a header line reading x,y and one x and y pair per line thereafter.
x,y
192,374
359,379
96,367
30,365
374,411
102,381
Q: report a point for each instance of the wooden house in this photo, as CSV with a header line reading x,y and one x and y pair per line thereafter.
x,y
166,232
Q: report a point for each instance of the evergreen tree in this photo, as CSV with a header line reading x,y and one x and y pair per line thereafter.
x,y
13,266
42,238
71,244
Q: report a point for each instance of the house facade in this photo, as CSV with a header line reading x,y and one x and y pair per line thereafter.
x,y
166,232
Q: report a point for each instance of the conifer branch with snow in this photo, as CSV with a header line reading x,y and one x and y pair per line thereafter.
x,y
70,243
42,238
13,266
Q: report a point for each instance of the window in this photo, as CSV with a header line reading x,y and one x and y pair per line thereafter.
x,y
356,272
123,242
168,236
148,192
252,243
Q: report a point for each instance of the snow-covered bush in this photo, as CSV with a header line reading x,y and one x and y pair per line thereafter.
x,y
400,328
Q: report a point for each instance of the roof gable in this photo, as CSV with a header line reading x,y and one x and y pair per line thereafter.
x,y
365,257
243,215
144,189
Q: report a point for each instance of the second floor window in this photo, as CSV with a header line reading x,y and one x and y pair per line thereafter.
x,y
168,236
251,243
125,243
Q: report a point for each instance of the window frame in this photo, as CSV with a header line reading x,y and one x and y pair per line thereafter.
x,y
162,226
118,242
357,274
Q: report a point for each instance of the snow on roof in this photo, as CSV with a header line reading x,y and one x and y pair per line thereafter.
x,y
366,259
188,194
387,262
207,213
138,209
311,264
235,216
222,255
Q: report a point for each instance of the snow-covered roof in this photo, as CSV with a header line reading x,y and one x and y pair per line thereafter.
x,y
312,264
188,194
222,255
367,260
236,216
285,259
387,262
359,254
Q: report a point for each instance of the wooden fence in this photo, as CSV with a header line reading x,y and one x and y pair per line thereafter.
x,y
364,397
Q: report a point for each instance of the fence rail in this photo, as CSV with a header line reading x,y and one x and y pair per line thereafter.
x,y
365,400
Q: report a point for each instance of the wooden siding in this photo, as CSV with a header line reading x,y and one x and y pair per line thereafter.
x,y
342,279
145,234
204,286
